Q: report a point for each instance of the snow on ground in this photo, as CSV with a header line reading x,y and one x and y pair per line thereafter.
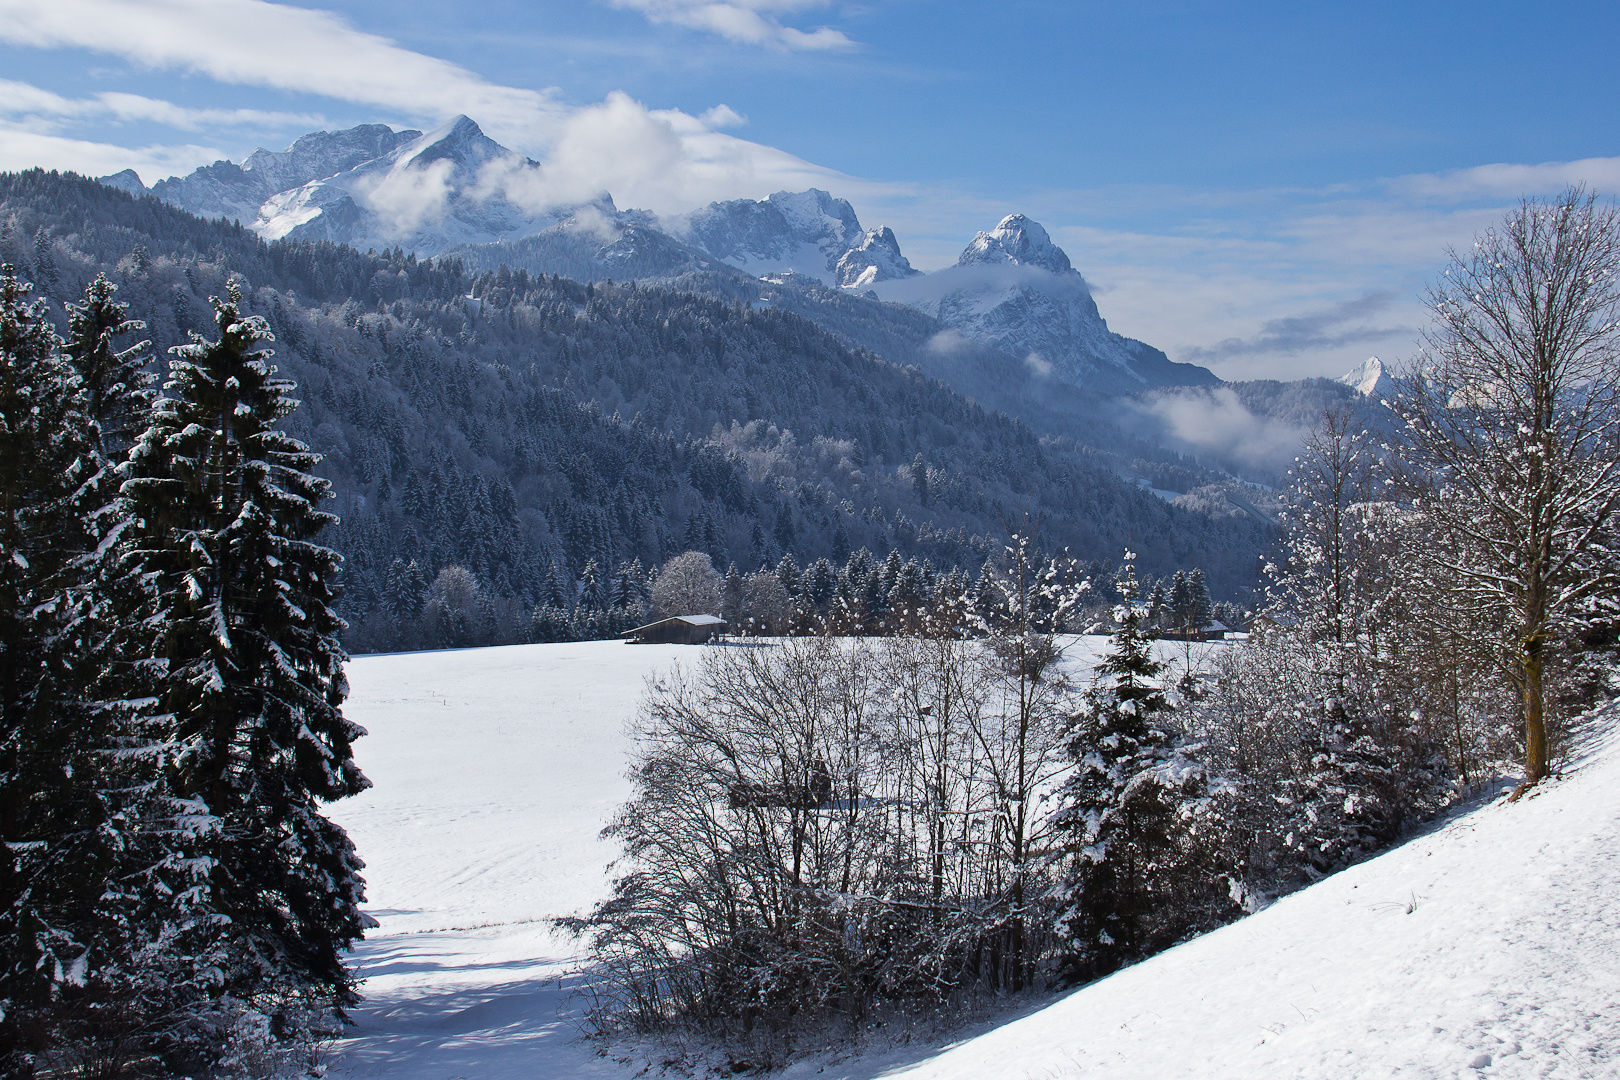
x,y
493,770
1488,947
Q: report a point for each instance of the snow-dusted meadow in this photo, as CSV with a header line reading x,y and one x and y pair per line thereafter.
x,y
1489,946
493,770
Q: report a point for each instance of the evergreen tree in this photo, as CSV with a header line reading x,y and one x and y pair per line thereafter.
x,y
1353,792
405,591
629,586
1200,610
820,584
758,549
1138,862
114,381
1157,603
787,572
90,901
919,481
1180,601
251,669
46,457
44,264
593,588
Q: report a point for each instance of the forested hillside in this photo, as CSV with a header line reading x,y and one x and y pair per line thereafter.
x,y
526,426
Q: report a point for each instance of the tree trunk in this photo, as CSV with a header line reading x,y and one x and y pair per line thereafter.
x,y
1535,718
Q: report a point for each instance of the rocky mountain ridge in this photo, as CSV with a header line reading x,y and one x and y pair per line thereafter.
x,y
456,192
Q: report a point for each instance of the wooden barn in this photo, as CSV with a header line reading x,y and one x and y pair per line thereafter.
x,y
680,630
1215,631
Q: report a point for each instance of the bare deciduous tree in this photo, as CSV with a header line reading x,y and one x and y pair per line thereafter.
x,y
1510,427
687,585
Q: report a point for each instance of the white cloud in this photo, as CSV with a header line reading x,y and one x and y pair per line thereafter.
x,y
722,116
663,160
410,199
1505,180
33,103
22,148
254,43
749,22
1214,420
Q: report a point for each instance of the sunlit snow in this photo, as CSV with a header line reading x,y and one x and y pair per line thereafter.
x,y
1489,946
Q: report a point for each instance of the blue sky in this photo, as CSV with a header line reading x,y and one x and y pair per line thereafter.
x,y
1263,188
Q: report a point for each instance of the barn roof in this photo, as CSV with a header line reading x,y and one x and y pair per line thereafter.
x,y
689,620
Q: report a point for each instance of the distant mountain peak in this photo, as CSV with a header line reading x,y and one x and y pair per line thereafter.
x,y
806,232
459,140
1016,291
128,180
1018,240
876,257
1369,379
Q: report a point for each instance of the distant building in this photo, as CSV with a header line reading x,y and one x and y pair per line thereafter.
x,y
1215,631
680,630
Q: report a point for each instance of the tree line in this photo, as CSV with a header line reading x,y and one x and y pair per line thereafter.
x,y
626,422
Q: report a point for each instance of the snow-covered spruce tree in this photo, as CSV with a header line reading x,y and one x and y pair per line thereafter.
x,y
114,379
251,682
83,893
46,455
1139,828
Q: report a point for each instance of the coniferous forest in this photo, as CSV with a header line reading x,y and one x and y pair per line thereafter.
x,y
542,434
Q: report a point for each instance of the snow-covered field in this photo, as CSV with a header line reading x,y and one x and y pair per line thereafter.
x,y
493,771
1489,946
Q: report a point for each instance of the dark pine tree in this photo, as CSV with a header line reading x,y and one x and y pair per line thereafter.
x,y
1140,863
114,380
46,457
82,893
225,510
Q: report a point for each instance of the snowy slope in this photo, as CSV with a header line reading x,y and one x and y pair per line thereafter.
x,y
494,769
1488,948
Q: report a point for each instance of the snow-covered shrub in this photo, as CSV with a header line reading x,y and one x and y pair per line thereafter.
x,y
826,831
1322,766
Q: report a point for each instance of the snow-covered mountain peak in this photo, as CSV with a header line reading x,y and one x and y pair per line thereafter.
x,y
803,232
1015,290
817,213
875,257
128,180
1369,379
459,141
321,154
1017,240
